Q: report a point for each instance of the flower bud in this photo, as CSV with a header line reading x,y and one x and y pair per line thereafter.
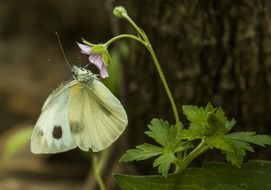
x,y
119,11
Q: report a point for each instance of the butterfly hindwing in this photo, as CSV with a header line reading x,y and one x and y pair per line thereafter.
x,y
96,116
52,131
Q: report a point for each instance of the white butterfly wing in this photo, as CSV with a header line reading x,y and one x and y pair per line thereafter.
x,y
52,132
96,116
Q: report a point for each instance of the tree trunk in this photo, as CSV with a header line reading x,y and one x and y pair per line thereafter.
x,y
217,51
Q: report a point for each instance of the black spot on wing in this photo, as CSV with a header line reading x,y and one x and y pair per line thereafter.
x,y
57,132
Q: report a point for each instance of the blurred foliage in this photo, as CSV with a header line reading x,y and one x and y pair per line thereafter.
x,y
118,54
15,143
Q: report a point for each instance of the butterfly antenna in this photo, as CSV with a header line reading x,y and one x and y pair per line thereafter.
x,y
62,50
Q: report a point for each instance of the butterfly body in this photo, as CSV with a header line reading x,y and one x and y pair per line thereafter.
x,y
81,113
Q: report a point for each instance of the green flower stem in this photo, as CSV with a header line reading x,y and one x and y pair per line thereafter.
x,y
97,164
139,30
145,41
164,81
158,67
182,164
109,42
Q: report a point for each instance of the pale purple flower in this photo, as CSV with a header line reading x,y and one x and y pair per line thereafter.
x,y
95,59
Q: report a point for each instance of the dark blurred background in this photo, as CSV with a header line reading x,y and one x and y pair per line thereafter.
x,y
218,51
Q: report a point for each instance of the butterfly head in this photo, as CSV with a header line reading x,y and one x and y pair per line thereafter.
x,y
82,74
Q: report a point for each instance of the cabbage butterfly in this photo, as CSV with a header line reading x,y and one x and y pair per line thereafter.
x,y
82,113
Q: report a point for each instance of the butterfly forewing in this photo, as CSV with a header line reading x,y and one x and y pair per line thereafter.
x,y
52,131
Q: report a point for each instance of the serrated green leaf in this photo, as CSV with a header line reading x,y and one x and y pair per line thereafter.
x,y
212,176
251,137
195,114
240,143
163,162
162,133
181,146
230,124
209,107
219,113
141,152
217,122
194,132
166,136
205,122
219,142
198,117
236,157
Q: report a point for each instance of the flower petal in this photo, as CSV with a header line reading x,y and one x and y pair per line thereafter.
x,y
96,60
85,49
103,71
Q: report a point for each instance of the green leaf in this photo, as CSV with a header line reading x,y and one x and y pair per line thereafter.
x,y
230,124
240,144
251,137
163,133
217,122
141,152
181,146
194,132
16,142
209,107
236,157
212,176
219,142
166,136
197,115
163,162
205,122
